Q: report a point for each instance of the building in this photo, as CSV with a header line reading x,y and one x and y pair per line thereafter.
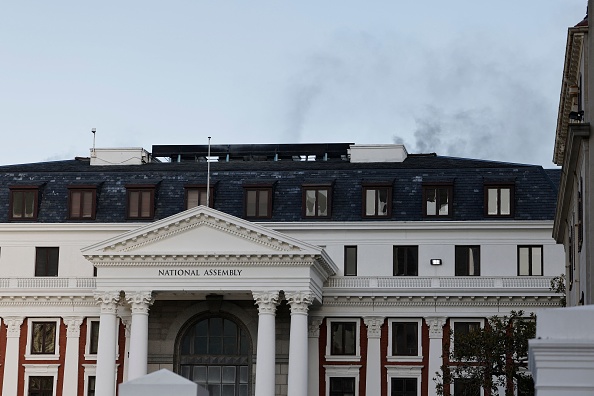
x,y
562,356
322,269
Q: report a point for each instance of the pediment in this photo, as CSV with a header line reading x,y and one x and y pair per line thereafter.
x,y
201,231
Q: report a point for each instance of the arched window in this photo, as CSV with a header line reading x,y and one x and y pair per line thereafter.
x,y
215,353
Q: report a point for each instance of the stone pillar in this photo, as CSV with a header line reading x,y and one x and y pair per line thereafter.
x,y
435,348
11,361
299,302
71,360
106,354
266,352
374,358
139,305
313,354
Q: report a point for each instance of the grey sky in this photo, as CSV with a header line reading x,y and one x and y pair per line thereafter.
x,y
461,77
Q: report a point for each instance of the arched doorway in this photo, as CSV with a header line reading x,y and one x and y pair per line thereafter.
x,y
215,352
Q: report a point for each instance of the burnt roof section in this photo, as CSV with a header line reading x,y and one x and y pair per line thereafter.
x,y
252,152
535,188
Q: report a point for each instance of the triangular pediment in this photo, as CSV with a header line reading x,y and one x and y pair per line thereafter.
x,y
201,231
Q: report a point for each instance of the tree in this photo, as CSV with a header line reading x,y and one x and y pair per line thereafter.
x,y
558,286
493,357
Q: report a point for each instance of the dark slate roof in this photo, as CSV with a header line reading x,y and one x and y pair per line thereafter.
x,y
535,197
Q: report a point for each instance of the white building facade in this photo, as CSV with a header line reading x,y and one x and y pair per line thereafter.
x,y
291,277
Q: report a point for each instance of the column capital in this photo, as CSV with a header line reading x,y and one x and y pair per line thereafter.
x,y
13,325
299,301
435,324
266,301
313,328
73,325
374,326
140,301
108,300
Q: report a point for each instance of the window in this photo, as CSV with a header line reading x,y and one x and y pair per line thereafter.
x,y
406,261
377,200
141,202
196,196
350,261
405,338
316,201
342,386
404,387
258,202
91,385
437,200
41,386
468,261
82,202
343,340
530,260
46,261
92,338
499,200
43,338
215,353
466,387
23,202
463,328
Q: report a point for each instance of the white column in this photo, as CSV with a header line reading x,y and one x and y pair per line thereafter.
x,y
106,354
299,302
11,360
373,382
435,348
71,360
313,354
139,305
266,353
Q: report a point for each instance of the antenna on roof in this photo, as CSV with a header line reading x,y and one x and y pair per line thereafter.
x,y
208,175
93,130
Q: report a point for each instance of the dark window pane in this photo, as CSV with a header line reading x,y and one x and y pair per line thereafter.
x,y
406,260
94,337
405,338
343,338
350,260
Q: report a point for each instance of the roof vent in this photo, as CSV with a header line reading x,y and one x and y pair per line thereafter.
x,y
378,152
120,156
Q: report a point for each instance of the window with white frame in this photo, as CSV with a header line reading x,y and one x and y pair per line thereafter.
x,y
92,341
41,380
404,380
404,341
461,327
43,338
90,379
343,339
342,380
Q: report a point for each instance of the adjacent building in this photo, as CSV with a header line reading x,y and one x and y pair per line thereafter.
x,y
306,269
562,356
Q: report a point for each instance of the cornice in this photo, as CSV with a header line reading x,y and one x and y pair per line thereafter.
x,y
196,260
43,301
441,301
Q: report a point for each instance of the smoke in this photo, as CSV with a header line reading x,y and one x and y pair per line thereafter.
x,y
470,98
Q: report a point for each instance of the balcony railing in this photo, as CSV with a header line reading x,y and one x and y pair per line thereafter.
x,y
453,282
47,283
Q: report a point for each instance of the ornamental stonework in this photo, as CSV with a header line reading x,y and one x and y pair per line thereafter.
x,y
266,301
108,301
374,326
140,301
299,301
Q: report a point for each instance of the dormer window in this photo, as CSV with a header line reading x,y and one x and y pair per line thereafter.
x,y
499,200
24,202
377,200
196,195
141,202
437,200
317,200
258,201
82,202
